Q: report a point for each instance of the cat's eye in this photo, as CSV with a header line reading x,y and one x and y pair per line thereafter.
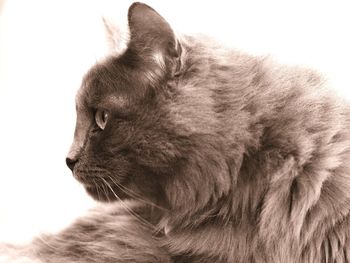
x,y
101,118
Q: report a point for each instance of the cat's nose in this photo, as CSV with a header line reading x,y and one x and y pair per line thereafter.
x,y
71,163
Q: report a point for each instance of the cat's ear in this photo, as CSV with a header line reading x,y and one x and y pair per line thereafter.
x,y
153,39
116,38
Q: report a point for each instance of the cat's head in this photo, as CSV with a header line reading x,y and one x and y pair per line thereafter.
x,y
142,130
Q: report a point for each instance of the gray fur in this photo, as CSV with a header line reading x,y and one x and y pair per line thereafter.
x,y
238,159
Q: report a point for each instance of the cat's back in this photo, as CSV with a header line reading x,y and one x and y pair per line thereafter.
x,y
299,117
233,88
275,115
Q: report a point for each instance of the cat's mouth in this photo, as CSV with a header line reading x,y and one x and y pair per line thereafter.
x,y
100,186
84,178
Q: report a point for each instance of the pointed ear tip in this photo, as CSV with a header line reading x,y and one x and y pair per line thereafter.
x,y
104,20
107,24
136,5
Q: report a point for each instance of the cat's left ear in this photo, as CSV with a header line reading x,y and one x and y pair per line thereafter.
x,y
153,39
116,38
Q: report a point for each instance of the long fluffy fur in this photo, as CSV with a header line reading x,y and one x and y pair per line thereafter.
x,y
235,158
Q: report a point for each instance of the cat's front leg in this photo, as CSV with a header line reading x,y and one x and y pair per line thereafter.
x,y
108,234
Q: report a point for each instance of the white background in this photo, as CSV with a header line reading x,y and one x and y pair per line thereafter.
x,y
47,45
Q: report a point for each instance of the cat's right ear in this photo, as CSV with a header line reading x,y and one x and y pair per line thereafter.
x,y
152,38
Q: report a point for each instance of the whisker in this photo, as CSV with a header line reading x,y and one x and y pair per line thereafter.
x,y
142,220
135,195
98,192
42,239
105,193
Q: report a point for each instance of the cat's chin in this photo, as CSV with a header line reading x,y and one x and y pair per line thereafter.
x,y
103,194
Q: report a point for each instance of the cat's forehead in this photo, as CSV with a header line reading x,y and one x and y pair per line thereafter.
x,y
103,83
115,81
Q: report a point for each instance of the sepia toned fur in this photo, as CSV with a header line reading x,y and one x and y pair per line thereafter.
x,y
207,155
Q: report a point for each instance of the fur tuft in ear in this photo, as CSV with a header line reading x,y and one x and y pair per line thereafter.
x,y
153,39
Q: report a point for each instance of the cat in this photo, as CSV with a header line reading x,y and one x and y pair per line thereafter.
x,y
204,154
